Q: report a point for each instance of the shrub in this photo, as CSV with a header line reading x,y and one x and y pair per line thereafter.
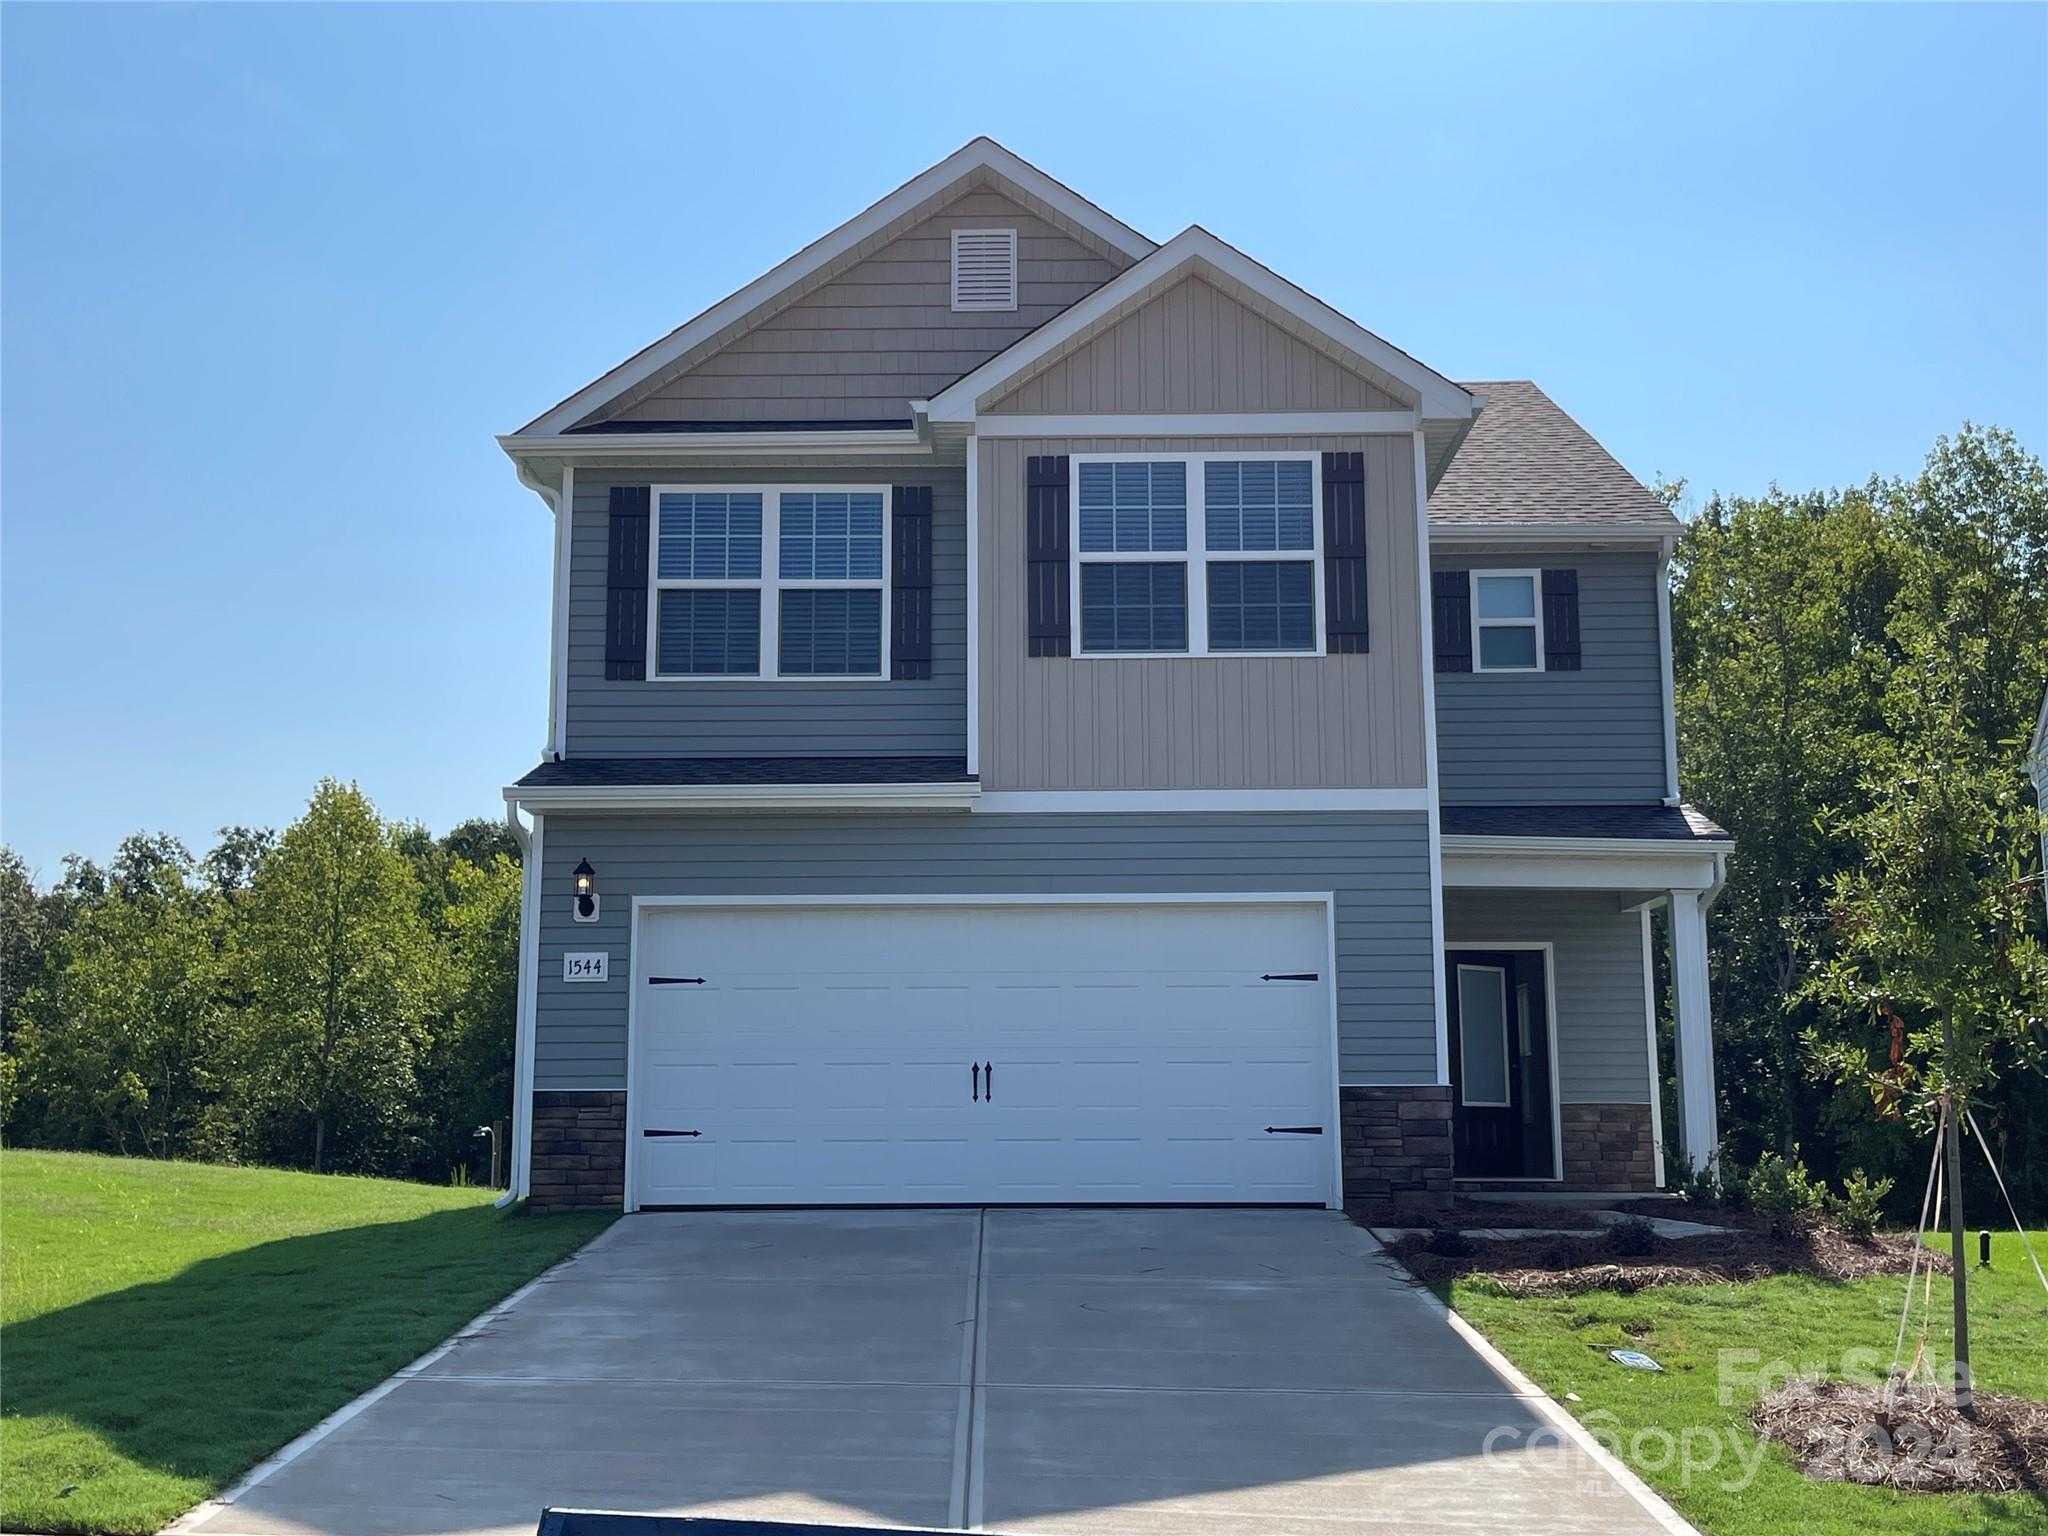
x,y
1861,1205
1634,1238
1714,1185
1782,1189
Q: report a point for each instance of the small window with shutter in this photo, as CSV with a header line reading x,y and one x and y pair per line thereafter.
x,y
984,269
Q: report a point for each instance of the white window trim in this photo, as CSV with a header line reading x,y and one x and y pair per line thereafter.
x,y
769,584
1465,1099
1534,623
1197,557
953,274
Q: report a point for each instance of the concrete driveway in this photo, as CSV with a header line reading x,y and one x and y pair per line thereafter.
x,y
1111,1371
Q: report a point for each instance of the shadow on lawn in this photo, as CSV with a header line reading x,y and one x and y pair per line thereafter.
x,y
204,1374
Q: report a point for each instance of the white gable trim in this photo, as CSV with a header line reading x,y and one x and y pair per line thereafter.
x,y
1439,397
982,154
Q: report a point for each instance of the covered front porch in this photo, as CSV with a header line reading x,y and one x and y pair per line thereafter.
x,y
1552,995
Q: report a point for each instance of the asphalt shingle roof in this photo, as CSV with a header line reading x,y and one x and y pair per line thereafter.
x,y
1526,461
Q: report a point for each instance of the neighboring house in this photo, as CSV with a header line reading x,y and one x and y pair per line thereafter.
x,y
1041,716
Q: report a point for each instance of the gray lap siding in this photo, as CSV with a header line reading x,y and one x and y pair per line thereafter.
x,y
1376,863
1603,1053
739,717
1593,736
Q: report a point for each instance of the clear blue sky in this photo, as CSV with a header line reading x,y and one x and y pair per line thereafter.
x,y
273,278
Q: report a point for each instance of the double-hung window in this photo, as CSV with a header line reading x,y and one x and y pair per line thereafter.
x,y
1507,632
769,581
1197,554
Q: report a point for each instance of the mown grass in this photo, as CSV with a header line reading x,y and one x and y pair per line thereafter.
x,y
1798,1324
165,1326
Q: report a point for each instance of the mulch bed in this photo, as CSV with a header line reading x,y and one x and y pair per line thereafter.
x,y
1563,1266
1916,1441
1477,1213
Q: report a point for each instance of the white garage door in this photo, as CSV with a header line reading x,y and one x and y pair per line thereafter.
x,y
849,1055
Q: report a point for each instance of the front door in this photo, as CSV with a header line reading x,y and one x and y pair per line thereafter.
x,y
1500,1065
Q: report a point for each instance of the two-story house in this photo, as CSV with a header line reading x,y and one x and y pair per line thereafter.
x,y
1043,716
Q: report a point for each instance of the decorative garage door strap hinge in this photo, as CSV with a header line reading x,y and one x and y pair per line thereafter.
x,y
1291,976
671,1133
675,981
1294,1130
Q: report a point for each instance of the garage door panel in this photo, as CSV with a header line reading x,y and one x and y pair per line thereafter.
x,y
828,1058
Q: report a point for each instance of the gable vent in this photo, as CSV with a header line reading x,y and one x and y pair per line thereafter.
x,y
984,269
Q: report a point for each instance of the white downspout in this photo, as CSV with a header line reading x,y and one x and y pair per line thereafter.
x,y
530,856
1668,682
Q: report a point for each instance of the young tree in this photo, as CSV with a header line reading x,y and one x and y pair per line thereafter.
x,y
341,974
1936,938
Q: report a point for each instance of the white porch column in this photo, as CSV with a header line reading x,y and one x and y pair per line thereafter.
x,y
1699,1124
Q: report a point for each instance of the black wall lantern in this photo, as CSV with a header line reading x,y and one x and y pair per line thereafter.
x,y
586,891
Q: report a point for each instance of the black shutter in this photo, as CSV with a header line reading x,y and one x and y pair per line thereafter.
x,y
1560,621
1451,606
625,596
910,583
1344,618
1048,601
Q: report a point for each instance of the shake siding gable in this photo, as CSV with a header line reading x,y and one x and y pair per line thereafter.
x,y
741,717
1193,348
881,332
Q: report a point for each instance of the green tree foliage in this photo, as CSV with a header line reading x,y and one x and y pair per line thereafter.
x,y
341,977
1856,673
124,1033
180,1007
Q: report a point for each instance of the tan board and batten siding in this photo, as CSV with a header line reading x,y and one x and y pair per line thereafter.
x,y
877,329
1193,348
1151,722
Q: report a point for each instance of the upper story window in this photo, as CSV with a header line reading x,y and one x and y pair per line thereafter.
x,y
984,269
1151,580
768,581
1507,633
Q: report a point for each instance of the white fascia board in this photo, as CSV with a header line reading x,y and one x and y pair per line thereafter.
x,y
746,797
1584,864
1473,842
1196,424
1439,397
981,154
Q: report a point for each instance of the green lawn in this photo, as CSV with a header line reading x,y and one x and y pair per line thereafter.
x,y
165,1326
1807,1324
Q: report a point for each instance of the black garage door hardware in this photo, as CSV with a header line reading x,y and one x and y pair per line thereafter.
x,y
1294,1130
671,1133
1291,976
675,981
